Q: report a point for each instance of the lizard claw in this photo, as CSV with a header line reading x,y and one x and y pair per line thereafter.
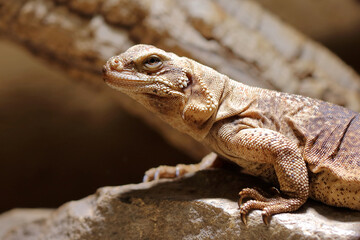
x,y
157,175
242,215
243,218
265,218
275,192
240,201
146,178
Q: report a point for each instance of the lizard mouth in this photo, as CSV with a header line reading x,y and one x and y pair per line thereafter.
x,y
127,81
121,80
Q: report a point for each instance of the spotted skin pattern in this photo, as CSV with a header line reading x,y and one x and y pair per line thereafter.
x,y
305,147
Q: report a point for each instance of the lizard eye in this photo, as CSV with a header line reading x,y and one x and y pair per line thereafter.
x,y
152,63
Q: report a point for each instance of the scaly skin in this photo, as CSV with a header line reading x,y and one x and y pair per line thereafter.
x,y
306,147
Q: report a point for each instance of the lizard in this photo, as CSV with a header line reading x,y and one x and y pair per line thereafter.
x,y
305,147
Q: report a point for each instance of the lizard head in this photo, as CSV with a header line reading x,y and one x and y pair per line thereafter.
x,y
175,87
144,69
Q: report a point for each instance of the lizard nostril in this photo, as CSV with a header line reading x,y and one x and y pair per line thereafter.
x,y
115,64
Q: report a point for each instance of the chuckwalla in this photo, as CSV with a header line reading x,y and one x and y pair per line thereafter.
x,y
306,147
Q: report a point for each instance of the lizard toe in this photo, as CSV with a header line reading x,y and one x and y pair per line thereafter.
x,y
268,205
248,206
253,193
159,172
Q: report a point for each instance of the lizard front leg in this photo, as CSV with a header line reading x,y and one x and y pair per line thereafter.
x,y
270,147
209,161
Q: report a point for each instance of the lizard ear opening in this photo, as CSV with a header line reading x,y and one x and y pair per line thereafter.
x,y
201,103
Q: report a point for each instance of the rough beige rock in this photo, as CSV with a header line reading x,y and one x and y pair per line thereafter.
x,y
18,217
200,206
237,37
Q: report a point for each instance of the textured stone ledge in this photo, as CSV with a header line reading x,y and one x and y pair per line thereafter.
x,y
199,206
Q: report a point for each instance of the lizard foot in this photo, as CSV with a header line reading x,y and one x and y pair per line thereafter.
x,y
209,161
165,172
268,205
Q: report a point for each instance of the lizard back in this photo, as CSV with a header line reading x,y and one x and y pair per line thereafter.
x,y
327,134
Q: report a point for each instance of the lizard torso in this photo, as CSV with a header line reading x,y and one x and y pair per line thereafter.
x,y
327,135
307,147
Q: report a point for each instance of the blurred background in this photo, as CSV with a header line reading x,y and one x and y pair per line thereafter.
x,y
60,140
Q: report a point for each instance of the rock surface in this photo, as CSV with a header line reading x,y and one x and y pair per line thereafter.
x,y
18,217
199,206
